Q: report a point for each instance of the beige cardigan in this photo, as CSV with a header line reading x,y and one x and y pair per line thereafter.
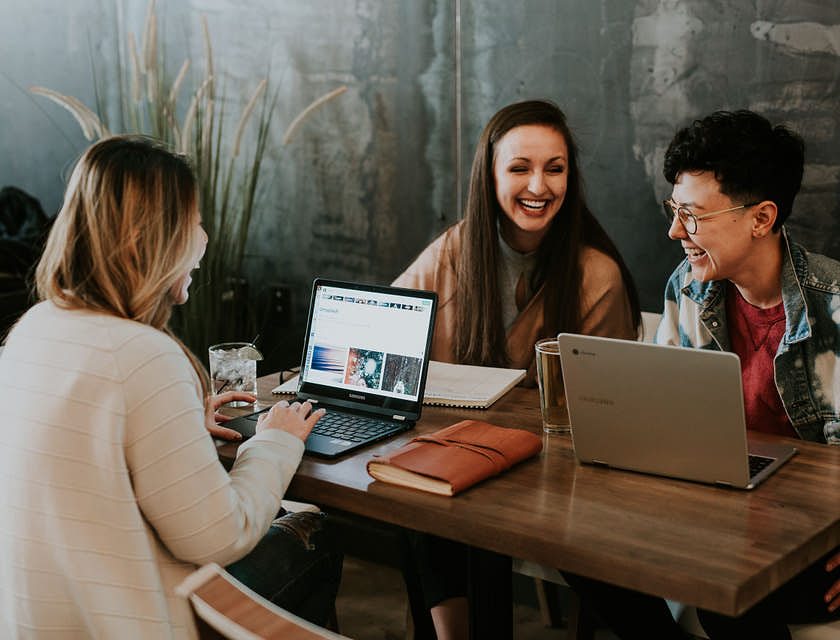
x,y
111,490
606,308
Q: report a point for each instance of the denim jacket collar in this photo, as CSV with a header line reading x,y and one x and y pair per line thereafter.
x,y
711,297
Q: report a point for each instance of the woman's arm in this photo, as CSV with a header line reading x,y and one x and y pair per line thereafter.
x,y
434,268
200,512
605,307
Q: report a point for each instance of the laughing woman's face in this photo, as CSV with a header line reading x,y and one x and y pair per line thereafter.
x,y
531,173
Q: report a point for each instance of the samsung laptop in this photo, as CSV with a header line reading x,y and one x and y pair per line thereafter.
x,y
670,411
365,359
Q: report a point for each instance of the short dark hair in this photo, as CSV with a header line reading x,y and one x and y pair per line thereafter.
x,y
751,159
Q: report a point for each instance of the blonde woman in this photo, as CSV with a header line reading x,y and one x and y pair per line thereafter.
x,y
111,488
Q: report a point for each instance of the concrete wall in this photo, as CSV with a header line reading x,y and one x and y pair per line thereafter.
x,y
374,176
628,74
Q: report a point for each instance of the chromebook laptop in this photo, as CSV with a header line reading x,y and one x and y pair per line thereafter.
x,y
670,411
365,360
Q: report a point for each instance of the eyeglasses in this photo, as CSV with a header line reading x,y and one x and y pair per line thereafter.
x,y
688,219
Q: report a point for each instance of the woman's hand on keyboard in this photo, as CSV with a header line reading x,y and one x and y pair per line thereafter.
x,y
298,419
212,418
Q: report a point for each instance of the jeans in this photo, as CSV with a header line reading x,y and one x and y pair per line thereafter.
x,y
629,614
440,565
296,565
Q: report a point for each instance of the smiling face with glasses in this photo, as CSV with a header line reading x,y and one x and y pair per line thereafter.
x,y
688,219
717,235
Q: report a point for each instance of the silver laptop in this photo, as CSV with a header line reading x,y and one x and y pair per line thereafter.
x,y
365,360
670,411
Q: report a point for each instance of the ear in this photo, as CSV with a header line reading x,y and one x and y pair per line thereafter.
x,y
764,217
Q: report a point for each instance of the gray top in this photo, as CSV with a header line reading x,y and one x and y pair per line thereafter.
x,y
513,266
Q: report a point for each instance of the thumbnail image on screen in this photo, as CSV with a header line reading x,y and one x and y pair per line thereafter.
x,y
402,374
364,368
328,362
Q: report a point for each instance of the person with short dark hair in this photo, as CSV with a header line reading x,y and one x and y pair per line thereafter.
x,y
746,287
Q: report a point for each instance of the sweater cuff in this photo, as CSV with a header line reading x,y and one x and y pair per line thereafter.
x,y
290,442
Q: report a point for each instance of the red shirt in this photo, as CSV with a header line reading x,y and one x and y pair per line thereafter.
x,y
755,334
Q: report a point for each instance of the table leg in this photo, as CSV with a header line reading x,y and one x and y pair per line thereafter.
x,y
490,595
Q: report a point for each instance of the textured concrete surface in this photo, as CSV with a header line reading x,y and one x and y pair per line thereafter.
x,y
373,177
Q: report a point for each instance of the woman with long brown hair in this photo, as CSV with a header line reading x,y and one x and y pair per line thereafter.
x,y
528,261
112,489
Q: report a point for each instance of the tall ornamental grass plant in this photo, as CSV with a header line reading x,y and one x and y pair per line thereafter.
x,y
228,166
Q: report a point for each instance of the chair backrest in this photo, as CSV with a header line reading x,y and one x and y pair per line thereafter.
x,y
650,321
226,608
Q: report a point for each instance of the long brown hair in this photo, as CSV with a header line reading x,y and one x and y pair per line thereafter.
x,y
124,235
479,331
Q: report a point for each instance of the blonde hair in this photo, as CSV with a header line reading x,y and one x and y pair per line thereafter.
x,y
124,235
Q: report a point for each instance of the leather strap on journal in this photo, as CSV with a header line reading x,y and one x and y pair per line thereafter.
x,y
496,457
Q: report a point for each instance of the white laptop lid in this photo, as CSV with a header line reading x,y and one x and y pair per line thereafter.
x,y
670,411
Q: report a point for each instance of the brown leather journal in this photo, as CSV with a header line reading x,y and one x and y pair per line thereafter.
x,y
455,458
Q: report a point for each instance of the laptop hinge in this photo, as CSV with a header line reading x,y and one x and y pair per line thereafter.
x,y
396,417
721,483
601,463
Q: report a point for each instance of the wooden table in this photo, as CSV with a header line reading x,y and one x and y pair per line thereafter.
x,y
715,548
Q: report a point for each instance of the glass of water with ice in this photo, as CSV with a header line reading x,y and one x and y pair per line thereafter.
x,y
233,367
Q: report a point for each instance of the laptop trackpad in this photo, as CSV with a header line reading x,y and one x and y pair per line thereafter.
x,y
326,445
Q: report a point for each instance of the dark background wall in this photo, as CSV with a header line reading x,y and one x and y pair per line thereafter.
x,y
374,176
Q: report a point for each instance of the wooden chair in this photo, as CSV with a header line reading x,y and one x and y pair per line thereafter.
x,y
226,608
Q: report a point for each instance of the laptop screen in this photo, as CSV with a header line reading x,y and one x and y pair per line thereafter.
x,y
368,344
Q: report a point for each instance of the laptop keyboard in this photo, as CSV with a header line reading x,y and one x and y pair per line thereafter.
x,y
351,427
758,463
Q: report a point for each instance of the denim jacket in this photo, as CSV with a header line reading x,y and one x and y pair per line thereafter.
x,y
807,363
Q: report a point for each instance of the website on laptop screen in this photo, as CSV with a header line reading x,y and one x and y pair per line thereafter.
x,y
365,339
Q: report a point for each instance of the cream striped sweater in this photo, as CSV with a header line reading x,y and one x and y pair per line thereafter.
x,y
110,487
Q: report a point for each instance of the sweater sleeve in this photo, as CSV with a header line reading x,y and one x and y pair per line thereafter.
x,y
423,272
199,511
605,306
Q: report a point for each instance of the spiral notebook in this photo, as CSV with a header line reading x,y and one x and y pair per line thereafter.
x,y
454,385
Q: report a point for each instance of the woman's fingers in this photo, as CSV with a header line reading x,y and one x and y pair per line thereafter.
x,y
217,401
315,416
224,433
